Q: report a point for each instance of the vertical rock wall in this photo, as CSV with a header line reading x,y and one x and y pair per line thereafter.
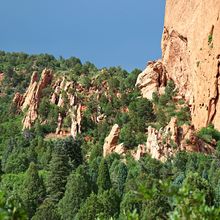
x,y
191,52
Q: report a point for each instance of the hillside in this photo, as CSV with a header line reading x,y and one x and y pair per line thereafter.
x,y
79,142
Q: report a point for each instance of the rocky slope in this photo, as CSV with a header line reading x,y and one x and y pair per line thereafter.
x,y
160,144
190,57
29,102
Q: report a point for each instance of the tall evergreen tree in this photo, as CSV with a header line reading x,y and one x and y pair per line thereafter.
x,y
122,175
59,170
103,180
90,209
111,204
72,149
78,189
33,190
47,211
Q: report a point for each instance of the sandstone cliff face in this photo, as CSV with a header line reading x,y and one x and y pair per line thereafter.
x,y
190,48
191,57
31,99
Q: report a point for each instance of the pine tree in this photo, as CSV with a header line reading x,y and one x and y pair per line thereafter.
x,y
122,175
78,189
90,209
47,211
59,171
111,204
72,149
33,190
103,180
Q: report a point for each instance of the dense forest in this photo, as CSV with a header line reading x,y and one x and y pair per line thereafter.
x,y
44,178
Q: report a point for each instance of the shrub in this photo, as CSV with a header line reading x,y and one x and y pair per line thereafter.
x,y
208,134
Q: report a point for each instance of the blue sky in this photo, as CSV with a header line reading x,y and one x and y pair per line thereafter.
x,y
124,33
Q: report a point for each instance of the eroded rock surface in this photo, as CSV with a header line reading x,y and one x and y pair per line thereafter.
x,y
111,142
62,96
168,141
29,102
190,57
190,48
152,79
2,75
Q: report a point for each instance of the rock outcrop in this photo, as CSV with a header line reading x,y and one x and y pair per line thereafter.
x,y
2,75
152,79
76,118
168,141
161,144
18,100
29,102
191,58
62,96
111,142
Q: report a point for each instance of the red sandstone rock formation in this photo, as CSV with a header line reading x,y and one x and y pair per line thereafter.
x,y
152,79
168,141
18,99
111,142
160,144
31,99
62,96
76,118
190,48
1,77
191,57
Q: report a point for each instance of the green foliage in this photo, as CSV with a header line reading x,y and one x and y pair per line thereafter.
x,y
110,202
103,180
78,188
122,175
192,200
208,134
127,136
210,38
33,190
11,208
71,148
47,210
59,170
90,209
140,115
80,183
166,107
17,155
48,112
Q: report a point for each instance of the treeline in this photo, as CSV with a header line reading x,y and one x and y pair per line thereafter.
x,y
68,187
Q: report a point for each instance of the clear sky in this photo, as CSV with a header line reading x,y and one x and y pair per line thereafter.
x,y
124,33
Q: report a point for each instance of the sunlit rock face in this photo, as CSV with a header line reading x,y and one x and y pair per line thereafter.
x,y
190,57
29,102
111,142
191,52
152,79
